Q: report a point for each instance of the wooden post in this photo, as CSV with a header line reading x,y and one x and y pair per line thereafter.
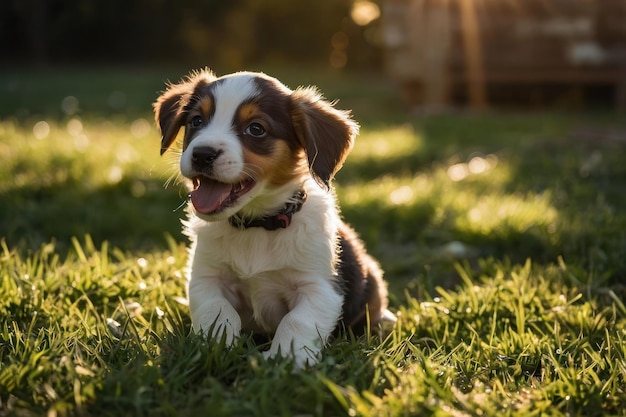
x,y
474,68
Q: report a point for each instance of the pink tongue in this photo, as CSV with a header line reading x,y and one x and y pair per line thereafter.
x,y
209,195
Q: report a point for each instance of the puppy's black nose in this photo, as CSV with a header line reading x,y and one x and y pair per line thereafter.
x,y
204,156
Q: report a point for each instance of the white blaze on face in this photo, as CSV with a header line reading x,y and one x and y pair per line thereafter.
x,y
228,94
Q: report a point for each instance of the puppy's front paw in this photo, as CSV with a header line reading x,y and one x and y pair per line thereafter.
x,y
229,329
220,319
301,355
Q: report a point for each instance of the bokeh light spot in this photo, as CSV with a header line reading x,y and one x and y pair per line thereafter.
x,y
140,128
69,105
74,127
458,172
115,174
364,12
41,130
402,195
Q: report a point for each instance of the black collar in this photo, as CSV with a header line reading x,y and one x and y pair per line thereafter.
x,y
280,220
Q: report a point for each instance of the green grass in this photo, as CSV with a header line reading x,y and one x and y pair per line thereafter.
x,y
502,236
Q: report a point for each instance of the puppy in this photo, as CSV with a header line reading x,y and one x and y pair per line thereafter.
x,y
269,252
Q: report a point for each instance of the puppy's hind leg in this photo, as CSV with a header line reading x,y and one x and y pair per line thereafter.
x,y
365,291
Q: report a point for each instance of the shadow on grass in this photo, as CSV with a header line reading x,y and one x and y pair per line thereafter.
x,y
134,214
581,184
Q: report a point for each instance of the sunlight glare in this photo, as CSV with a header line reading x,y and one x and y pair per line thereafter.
x,y
74,127
140,128
478,165
394,142
402,195
81,143
475,215
381,147
512,212
458,172
125,153
364,12
115,175
41,130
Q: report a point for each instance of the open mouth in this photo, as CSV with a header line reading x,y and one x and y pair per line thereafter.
x,y
211,197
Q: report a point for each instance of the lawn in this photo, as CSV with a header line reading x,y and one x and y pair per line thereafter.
x,y
503,238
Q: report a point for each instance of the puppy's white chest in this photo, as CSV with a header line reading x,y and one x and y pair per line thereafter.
x,y
244,254
257,257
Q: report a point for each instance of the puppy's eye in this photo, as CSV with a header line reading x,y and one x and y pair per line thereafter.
x,y
196,121
256,129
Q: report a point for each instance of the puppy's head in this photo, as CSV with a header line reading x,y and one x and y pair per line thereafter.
x,y
247,133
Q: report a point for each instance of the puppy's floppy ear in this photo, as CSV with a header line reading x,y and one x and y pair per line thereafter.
x,y
169,108
169,112
326,134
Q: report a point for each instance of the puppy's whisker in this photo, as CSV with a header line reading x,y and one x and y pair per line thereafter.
x,y
173,157
174,177
253,171
183,204
252,175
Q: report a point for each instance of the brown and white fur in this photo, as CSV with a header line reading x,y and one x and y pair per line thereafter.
x,y
250,144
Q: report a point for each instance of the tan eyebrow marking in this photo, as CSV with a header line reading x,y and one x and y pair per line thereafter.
x,y
206,106
248,111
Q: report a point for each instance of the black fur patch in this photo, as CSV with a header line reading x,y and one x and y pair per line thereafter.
x,y
360,280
